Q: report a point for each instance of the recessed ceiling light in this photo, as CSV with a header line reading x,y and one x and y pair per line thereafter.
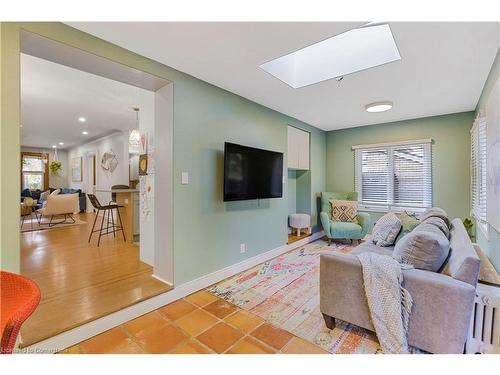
x,y
54,146
378,107
61,143
346,53
85,132
82,119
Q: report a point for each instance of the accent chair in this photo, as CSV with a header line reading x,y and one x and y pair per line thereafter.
x,y
342,230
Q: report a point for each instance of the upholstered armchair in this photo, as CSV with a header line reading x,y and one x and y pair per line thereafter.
x,y
341,230
60,205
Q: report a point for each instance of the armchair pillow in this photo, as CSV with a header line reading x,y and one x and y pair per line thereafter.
x,y
344,211
386,230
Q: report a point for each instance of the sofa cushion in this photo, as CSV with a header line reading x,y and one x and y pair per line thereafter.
x,y
386,230
435,212
426,248
408,223
367,246
344,211
438,223
463,262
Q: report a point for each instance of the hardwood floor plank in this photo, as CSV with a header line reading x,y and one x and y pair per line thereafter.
x,y
81,282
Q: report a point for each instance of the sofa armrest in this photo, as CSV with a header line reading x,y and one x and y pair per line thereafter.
x,y
325,222
441,310
364,221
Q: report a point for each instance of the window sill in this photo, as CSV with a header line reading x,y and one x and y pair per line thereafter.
x,y
416,210
483,227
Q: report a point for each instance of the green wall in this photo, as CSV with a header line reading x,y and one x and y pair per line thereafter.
x,y
207,231
450,155
491,245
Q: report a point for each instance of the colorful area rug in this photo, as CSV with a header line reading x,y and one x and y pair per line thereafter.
x,y
285,292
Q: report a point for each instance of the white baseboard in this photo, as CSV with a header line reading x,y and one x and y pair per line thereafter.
x,y
74,336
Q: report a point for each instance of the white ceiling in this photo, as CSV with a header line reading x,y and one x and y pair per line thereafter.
x,y
442,69
54,96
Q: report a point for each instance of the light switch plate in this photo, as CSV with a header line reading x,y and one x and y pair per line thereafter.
x,y
184,178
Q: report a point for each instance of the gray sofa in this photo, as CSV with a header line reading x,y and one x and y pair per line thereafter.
x,y
443,301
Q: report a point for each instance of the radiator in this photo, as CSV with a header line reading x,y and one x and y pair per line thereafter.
x,y
484,330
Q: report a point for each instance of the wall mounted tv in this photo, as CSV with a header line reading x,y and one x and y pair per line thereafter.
x,y
252,173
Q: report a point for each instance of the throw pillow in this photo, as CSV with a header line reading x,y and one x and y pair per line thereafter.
x,y
44,195
408,223
439,223
386,230
435,212
344,211
55,192
426,248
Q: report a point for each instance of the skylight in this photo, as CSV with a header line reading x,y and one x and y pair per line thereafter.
x,y
342,54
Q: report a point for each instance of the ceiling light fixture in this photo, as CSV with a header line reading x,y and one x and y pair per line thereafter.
x,y
54,146
61,143
82,119
378,107
85,132
352,51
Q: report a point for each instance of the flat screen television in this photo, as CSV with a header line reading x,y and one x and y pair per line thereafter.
x,y
252,173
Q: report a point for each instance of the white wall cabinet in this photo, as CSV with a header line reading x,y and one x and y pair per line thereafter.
x,y
298,149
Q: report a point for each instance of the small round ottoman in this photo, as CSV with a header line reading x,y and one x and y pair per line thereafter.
x,y
300,221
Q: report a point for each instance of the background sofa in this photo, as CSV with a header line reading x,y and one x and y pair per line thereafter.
x,y
35,194
443,301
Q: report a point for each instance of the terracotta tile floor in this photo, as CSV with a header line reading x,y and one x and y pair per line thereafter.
x,y
198,324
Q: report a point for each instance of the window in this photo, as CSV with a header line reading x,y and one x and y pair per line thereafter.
x,y
478,172
394,176
34,171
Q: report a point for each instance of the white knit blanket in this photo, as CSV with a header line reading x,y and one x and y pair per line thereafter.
x,y
389,303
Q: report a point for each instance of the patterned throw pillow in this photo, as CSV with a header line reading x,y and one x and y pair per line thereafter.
x,y
344,211
386,230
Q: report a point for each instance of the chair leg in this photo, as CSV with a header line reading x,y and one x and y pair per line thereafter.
x,y
329,241
113,222
93,226
121,225
329,321
31,219
100,232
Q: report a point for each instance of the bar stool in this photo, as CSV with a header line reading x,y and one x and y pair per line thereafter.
x,y
109,211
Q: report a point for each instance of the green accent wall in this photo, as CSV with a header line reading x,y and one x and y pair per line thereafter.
x,y
207,231
450,155
491,245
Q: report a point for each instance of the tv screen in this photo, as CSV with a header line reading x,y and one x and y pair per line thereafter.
x,y
252,173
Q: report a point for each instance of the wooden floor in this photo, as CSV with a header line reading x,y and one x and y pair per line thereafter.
x,y
81,282
292,237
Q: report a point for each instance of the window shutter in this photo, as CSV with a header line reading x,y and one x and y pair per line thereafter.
x,y
478,169
394,176
373,176
412,176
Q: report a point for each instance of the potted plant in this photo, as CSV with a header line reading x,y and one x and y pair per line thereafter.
x,y
469,226
55,166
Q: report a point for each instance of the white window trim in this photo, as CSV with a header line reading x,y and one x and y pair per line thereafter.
x,y
481,223
387,208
